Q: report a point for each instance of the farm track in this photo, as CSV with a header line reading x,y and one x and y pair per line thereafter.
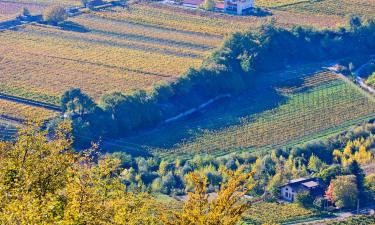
x,y
30,102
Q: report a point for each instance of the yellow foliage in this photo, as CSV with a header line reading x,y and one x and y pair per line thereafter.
x,y
227,208
43,181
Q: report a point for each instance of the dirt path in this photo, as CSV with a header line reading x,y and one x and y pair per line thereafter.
x,y
30,102
341,216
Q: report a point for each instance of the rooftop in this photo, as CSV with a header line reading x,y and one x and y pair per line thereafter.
x,y
311,184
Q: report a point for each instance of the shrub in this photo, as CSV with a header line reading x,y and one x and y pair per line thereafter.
x,y
304,199
54,14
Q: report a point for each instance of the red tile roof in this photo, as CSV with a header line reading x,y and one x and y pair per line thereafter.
x,y
220,5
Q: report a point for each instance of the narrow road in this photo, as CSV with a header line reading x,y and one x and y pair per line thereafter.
x,y
30,102
341,216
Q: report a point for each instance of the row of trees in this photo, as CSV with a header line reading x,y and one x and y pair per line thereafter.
x,y
230,69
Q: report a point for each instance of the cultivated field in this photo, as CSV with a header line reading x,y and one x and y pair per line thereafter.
x,y
46,2
21,111
42,62
302,107
343,8
274,213
9,10
277,3
117,49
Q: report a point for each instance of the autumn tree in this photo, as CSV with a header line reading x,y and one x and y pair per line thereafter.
x,y
43,181
54,14
208,5
227,208
345,191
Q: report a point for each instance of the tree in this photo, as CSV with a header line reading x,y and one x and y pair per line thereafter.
x,y
330,173
25,12
84,3
43,181
345,191
370,186
354,169
355,22
76,103
315,164
54,14
226,209
209,5
305,199
329,192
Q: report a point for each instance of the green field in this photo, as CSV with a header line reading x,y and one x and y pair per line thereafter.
x,y
294,106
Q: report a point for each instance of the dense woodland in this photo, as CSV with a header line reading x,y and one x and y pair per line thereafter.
x,y
230,69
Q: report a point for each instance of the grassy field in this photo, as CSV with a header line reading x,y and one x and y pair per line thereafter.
x,y
298,104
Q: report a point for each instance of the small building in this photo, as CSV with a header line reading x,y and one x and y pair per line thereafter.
x,y
239,7
290,190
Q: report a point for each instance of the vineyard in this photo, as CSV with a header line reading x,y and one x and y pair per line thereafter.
x,y
9,10
40,62
295,109
45,2
341,8
274,213
277,3
216,24
23,112
118,49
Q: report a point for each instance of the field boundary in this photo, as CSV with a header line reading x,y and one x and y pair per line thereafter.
x,y
30,102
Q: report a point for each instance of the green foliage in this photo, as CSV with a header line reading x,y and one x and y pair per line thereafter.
x,y
371,80
25,12
76,103
208,5
230,69
305,199
345,191
54,14
43,181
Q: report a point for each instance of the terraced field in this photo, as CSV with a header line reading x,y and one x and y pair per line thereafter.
x,y
342,8
305,106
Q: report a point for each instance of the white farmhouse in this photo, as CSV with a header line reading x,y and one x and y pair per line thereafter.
x,y
238,7
290,190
